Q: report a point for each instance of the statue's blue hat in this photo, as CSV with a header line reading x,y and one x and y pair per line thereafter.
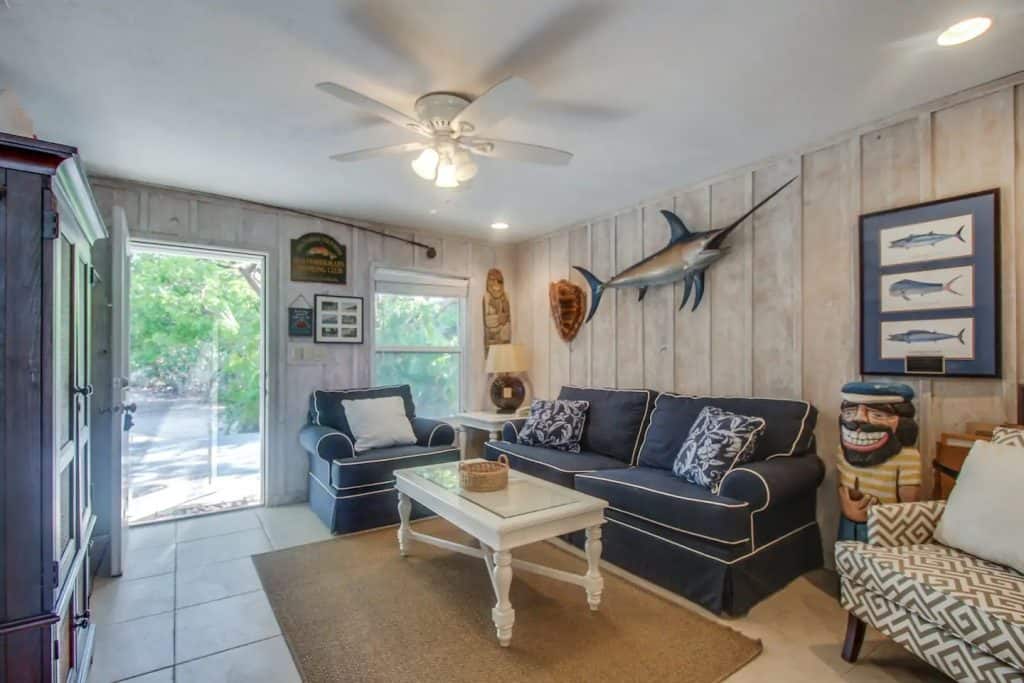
x,y
877,392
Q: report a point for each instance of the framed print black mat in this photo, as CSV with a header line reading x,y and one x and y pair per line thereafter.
x,y
337,319
929,286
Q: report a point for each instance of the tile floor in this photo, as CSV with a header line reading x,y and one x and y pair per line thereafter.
x,y
190,608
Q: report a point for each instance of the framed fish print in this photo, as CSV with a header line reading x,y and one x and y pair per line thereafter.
x,y
929,287
338,319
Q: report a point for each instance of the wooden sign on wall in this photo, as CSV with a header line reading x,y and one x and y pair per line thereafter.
x,y
317,257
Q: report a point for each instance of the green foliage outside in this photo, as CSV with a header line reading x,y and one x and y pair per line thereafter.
x,y
195,331
420,321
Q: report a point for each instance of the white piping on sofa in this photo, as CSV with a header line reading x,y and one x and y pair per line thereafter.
x,y
675,528
662,493
712,557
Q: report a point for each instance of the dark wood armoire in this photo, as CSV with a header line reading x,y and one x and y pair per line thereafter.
x,y
48,224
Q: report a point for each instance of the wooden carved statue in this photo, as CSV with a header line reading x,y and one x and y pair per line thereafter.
x,y
568,308
878,461
497,314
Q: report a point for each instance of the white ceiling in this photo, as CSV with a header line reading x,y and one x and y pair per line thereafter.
x,y
217,95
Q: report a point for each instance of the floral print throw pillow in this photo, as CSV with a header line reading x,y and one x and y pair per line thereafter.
x,y
555,424
717,442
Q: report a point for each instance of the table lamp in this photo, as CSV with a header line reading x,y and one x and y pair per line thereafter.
x,y
507,391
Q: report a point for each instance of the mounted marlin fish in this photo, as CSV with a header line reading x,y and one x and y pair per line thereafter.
x,y
685,258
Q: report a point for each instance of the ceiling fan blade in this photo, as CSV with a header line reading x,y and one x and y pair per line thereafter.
x,y
517,151
374,152
495,104
539,56
372,106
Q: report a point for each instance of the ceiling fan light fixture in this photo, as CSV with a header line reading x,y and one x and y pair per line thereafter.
x,y
465,172
425,165
963,31
447,174
465,167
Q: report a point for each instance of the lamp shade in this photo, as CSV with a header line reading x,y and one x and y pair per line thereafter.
x,y
507,358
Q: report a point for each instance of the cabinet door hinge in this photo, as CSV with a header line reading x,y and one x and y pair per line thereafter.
x,y
55,574
56,650
51,224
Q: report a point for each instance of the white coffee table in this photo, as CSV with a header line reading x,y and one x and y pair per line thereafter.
x,y
527,511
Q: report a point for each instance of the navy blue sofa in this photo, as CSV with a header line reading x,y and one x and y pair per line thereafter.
x,y
725,551
350,491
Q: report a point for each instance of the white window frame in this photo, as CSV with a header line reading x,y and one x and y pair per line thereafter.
x,y
390,280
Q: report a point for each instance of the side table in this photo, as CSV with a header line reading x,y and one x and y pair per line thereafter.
x,y
489,421
950,453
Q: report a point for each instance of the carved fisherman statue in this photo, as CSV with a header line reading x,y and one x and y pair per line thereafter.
x,y
878,461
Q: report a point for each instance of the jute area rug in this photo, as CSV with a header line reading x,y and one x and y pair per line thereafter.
x,y
352,609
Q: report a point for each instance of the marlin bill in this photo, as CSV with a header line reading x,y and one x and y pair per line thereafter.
x,y
685,259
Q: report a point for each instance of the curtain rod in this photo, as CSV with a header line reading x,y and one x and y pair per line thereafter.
x,y
430,251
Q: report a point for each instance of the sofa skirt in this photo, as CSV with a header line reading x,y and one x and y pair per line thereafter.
x,y
959,659
368,509
723,586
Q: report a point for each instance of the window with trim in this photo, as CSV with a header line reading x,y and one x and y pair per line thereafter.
x,y
419,337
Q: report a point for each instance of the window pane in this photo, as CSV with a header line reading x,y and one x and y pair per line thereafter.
x,y
434,378
403,320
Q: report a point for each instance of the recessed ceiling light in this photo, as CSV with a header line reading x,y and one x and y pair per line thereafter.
x,y
499,225
965,30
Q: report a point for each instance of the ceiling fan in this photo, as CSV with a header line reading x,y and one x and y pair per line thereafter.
x,y
448,122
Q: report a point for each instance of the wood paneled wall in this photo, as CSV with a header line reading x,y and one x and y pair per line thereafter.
x,y
780,317
181,217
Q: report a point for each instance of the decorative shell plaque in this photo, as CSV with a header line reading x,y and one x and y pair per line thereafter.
x,y
568,308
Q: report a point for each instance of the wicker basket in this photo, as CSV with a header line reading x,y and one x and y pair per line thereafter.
x,y
484,476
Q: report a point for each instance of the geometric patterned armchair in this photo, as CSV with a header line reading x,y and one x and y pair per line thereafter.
x,y
961,614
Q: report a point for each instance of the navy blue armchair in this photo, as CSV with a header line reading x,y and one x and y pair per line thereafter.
x,y
352,491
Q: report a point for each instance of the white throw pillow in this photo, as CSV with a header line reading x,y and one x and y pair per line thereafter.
x,y
985,508
378,422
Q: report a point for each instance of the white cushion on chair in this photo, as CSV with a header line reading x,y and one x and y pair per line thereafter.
x,y
378,422
984,512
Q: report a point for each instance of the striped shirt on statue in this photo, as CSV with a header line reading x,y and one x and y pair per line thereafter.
x,y
884,480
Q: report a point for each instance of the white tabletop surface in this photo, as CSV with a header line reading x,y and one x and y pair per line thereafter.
x,y
527,501
485,416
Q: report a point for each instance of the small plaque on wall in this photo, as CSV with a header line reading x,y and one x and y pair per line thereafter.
x,y
317,257
300,322
300,318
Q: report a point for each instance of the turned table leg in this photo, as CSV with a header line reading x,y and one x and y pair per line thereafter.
x,y
594,581
854,638
404,510
503,614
